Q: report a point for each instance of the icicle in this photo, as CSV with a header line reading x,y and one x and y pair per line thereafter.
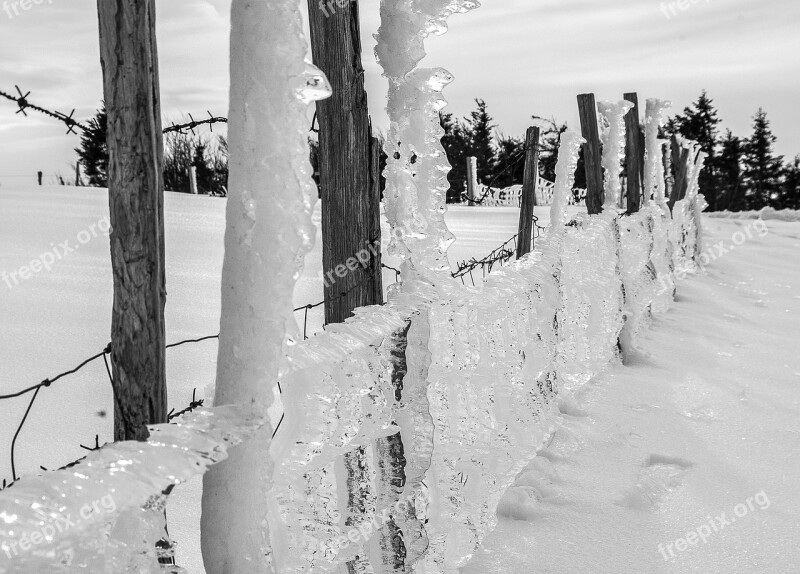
x,y
613,138
268,231
568,153
417,167
654,165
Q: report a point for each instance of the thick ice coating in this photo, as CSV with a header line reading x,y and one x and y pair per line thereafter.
x,y
268,231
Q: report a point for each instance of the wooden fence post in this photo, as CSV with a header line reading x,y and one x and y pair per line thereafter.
x,y
587,108
350,207
135,192
634,155
193,180
528,198
472,179
681,173
669,179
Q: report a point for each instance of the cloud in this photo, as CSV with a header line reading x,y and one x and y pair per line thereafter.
x,y
522,56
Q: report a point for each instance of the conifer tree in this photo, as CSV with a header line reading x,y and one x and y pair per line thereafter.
x,y
93,151
731,191
481,141
762,169
456,144
699,123
790,193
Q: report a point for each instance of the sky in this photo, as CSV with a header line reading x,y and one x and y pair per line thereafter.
x,y
523,57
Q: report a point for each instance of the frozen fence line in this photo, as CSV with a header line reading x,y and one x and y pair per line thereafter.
x,y
134,476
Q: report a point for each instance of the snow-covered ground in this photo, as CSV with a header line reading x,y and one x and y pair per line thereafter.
x,y
706,418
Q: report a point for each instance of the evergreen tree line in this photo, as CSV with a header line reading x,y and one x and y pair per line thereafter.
x,y
182,151
740,173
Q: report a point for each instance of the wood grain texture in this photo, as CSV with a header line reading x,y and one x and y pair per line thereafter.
x,y
634,155
593,161
528,198
349,190
681,173
131,89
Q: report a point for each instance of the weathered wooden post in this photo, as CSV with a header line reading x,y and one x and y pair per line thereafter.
x,y
587,108
350,206
681,172
472,179
135,190
669,179
528,198
193,180
634,154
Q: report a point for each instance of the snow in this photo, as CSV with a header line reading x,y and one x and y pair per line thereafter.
x,y
707,417
714,385
766,213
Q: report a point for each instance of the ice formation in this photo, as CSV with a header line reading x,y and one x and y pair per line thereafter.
x,y
565,176
105,514
268,232
612,135
416,171
654,166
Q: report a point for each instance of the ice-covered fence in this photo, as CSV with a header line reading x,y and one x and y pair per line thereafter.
x,y
512,196
404,425
106,513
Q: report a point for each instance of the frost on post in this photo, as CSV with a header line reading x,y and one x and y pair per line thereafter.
x,y
565,176
612,135
417,167
590,313
653,165
268,231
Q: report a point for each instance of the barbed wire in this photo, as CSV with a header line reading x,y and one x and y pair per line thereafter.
x,y
499,255
72,124
104,354
510,165
192,124
24,105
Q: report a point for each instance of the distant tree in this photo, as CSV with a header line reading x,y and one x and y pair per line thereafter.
x,y
699,123
93,151
179,156
482,141
509,167
763,170
731,194
790,192
456,144
218,160
550,141
204,174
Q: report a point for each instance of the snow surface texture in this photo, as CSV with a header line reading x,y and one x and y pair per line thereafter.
x,y
767,213
106,514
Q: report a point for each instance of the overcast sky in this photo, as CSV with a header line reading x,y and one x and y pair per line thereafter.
x,y
523,57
